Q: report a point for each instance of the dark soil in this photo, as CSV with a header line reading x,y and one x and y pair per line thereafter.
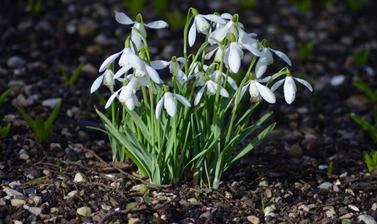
x,y
310,170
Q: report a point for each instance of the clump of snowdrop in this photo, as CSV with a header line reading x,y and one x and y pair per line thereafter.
x,y
184,118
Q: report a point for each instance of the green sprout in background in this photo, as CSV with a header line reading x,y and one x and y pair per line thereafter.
x,y
40,127
71,79
370,160
34,6
356,5
368,127
361,58
4,96
302,5
305,50
4,131
246,4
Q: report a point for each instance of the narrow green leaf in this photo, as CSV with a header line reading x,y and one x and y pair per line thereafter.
x,y
365,125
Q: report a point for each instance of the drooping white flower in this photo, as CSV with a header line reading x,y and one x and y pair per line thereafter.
x,y
138,27
126,95
266,59
129,60
210,86
201,25
258,91
169,102
175,67
105,79
290,88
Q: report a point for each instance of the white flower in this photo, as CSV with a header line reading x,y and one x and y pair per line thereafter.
x,y
290,88
266,59
168,101
201,25
106,79
129,60
175,67
258,91
126,95
138,25
211,87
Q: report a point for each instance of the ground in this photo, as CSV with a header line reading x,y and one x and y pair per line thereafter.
x,y
309,170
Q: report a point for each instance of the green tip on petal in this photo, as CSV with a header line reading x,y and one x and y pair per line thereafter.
x,y
139,18
235,18
194,11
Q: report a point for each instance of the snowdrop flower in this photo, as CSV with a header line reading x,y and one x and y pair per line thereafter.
x,y
126,95
290,88
129,60
258,91
211,87
138,27
231,26
266,58
169,102
175,67
201,25
106,79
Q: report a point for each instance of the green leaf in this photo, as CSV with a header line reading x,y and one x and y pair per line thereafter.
x,y
253,143
71,80
52,118
4,96
4,131
363,87
365,125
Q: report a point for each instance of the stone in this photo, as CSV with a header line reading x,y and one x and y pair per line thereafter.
x,y
52,102
354,208
17,202
33,210
337,80
374,206
133,220
79,177
253,219
325,186
87,28
24,156
90,70
84,211
12,193
15,62
367,219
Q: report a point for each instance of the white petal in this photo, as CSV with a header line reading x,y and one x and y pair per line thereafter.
x,y
252,49
282,56
201,24
170,104
181,77
226,16
224,92
125,93
153,74
243,91
122,18
136,39
264,80
199,95
159,64
159,106
108,61
211,87
111,99
289,90
220,33
192,34
159,24
277,84
210,54
266,93
232,83
214,18
305,83
183,100
96,84
122,71
261,67
181,60
234,58
130,103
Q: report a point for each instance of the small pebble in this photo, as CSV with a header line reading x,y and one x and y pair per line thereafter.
x,y
325,186
15,62
84,211
17,202
367,219
253,219
353,207
33,210
79,177
52,102
337,80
